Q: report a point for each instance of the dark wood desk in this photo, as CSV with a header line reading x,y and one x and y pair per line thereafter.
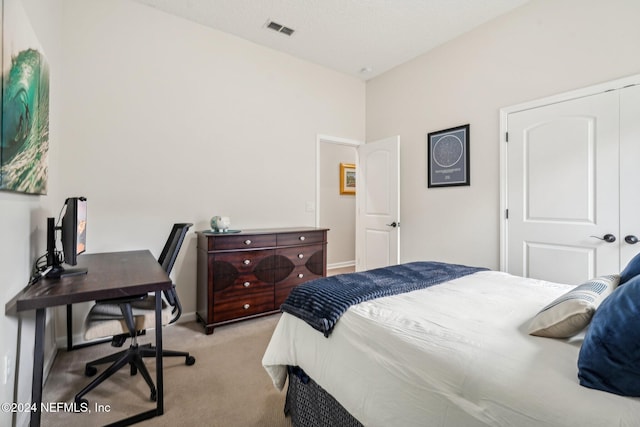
x,y
110,275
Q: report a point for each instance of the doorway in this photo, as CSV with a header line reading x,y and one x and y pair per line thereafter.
x,y
336,211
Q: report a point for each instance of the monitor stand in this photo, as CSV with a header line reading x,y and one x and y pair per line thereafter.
x,y
59,272
55,268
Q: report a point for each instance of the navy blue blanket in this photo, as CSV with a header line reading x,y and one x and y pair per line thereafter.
x,y
321,302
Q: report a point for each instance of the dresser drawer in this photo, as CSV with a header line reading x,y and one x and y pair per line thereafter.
x,y
299,275
233,308
246,261
300,238
243,285
228,266
301,255
245,241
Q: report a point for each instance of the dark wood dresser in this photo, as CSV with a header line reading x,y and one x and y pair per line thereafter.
x,y
249,274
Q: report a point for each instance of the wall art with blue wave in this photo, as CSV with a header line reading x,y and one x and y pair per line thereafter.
x,y
25,105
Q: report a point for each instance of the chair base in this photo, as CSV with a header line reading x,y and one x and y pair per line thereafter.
x,y
133,356
149,350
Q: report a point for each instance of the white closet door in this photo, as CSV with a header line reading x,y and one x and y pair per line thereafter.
x,y
629,173
562,188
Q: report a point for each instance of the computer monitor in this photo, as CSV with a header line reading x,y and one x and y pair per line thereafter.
x,y
74,229
73,234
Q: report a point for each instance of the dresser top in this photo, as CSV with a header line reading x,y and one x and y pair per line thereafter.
x,y
263,231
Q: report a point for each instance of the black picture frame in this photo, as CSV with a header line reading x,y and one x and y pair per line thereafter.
x,y
448,157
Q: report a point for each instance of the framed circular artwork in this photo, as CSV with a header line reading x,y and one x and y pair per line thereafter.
x,y
448,157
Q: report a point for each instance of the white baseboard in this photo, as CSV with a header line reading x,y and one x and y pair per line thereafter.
x,y
187,317
341,264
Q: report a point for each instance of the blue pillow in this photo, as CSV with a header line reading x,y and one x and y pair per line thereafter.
x,y
631,270
609,358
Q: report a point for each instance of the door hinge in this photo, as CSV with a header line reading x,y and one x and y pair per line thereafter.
x,y
506,136
506,214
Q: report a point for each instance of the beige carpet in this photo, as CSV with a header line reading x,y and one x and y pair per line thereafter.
x,y
226,387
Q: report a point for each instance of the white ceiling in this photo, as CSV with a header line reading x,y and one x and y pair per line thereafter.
x,y
345,35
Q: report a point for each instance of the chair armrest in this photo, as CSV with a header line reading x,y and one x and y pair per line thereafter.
x,y
172,298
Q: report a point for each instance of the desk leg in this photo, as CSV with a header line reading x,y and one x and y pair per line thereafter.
x,y
38,367
69,328
159,385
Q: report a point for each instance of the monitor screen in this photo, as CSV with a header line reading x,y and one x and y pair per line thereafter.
x,y
74,229
73,233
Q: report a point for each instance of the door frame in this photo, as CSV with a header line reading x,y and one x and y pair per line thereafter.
x,y
504,119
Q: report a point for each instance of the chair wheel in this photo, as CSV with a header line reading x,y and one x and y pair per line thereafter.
x,y
154,396
90,371
190,360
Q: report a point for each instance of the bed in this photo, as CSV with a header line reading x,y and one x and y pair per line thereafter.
x,y
458,353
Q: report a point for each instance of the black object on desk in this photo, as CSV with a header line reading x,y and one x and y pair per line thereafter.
x,y
110,275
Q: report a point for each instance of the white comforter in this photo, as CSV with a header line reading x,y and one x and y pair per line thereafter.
x,y
455,354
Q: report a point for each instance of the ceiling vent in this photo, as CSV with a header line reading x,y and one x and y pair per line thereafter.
x,y
280,28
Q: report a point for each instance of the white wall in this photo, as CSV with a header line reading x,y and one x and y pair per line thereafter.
x,y
337,211
23,228
169,121
541,49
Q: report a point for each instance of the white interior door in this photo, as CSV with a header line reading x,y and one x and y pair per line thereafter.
x,y
562,189
378,204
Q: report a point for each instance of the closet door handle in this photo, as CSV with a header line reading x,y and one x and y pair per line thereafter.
x,y
609,238
631,239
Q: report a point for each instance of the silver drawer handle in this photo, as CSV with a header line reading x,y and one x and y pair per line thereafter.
x,y
302,238
246,284
300,276
300,256
246,262
247,242
246,306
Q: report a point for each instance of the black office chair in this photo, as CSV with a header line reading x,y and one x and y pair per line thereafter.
x,y
122,318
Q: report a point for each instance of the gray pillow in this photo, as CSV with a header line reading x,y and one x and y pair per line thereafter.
x,y
570,313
